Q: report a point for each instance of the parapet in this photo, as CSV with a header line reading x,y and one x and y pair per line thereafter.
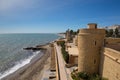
x,y
113,54
92,26
92,29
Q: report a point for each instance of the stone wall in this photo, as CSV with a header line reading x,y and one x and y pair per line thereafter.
x,y
112,40
110,64
73,59
90,42
53,61
75,40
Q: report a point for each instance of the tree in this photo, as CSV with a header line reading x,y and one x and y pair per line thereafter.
x,y
106,31
77,31
116,32
71,31
111,32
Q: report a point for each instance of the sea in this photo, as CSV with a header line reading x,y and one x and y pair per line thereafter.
x,y
12,55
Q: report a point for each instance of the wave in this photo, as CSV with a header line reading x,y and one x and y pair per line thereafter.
x,y
18,65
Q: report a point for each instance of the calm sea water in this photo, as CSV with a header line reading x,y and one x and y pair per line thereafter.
x,y
12,53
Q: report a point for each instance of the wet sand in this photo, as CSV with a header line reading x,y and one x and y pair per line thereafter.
x,y
35,69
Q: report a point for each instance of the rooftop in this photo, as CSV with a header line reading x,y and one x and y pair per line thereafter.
x,y
73,51
70,44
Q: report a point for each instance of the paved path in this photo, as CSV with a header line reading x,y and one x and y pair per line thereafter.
x,y
62,69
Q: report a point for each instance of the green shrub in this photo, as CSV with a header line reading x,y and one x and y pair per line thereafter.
x,y
104,79
86,76
74,77
64,53
94,77
83,75
61,43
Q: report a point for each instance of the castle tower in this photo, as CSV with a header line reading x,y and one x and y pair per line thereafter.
x,y
90,42
68,35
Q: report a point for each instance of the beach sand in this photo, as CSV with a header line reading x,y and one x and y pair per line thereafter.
x,y
35,69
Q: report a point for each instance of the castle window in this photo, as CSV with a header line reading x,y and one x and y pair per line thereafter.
x,y
95,43
94,61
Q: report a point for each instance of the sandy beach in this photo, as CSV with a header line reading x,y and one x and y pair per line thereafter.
x,y
35,69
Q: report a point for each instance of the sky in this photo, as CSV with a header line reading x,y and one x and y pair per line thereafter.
x,y
54,16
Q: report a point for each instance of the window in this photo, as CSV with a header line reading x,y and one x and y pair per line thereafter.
x,y
94,61
95,43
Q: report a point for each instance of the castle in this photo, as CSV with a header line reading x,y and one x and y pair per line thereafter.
x,y
96,53
90,42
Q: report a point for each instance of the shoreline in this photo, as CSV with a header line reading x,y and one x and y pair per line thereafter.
x,y
32,70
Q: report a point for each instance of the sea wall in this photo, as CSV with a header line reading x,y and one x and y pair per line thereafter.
x,y
53,61
110,64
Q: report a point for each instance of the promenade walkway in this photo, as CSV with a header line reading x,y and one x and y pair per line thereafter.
x,y
64,72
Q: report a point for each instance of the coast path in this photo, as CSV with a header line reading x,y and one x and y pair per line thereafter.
x,y
63,71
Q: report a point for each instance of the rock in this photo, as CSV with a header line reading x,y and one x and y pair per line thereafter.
x,y
34,48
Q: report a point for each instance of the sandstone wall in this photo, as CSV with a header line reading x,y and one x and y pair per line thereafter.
x,y
73,59
110,64
112,40
90,42
75,40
